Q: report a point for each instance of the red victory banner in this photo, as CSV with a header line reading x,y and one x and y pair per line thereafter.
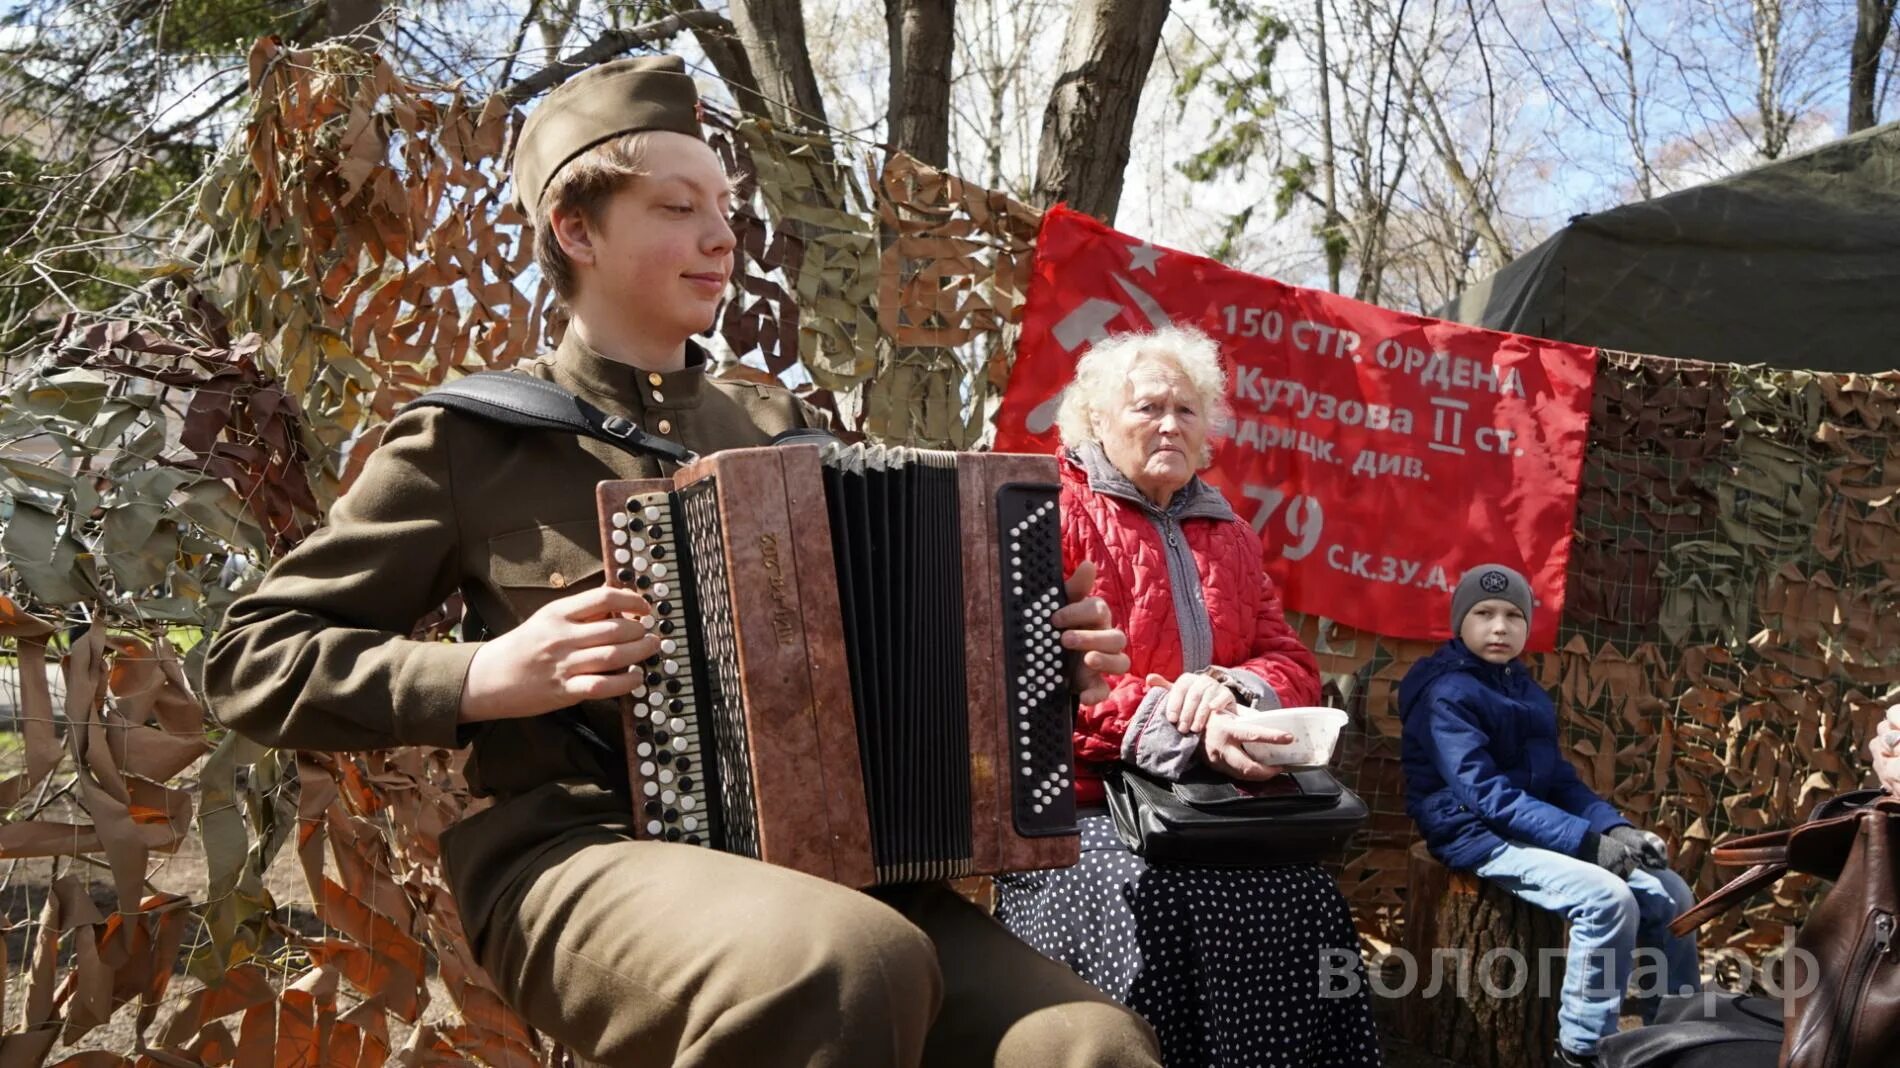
x,y
1379,454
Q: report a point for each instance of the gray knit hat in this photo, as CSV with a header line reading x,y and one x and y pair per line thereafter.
x,y
1488,582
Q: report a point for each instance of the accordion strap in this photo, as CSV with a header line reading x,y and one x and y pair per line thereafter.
x,y
526,403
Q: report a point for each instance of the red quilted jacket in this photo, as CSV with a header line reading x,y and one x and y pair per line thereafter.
x,y
1249,626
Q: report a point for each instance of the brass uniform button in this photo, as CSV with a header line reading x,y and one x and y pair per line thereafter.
x,y
557,580
653,378
658,397
666,427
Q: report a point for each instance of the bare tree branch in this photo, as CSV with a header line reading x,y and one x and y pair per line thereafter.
x,y
608,45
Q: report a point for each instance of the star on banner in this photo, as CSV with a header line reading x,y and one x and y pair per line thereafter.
x,y
1143,257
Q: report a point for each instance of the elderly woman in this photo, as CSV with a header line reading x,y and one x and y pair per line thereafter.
x,y
1226,963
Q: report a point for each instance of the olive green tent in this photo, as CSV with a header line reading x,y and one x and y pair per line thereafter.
x,y
1795,264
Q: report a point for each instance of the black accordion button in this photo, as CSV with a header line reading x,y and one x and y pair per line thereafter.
x,y
673,686
692,839
624,576
654,808
672,834
659,552
666,626
653,678
684,764
661,739
664,608
643,582
686,782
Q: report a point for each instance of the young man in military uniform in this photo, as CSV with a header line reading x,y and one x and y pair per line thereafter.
x,y
628,952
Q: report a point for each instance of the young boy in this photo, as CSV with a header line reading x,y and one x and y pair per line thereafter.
x,y
1492,793
627,952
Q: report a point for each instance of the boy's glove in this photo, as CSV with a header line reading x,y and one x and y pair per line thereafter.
x,y
1651,851
1609,854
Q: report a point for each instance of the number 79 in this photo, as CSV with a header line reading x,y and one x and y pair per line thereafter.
x,y
1304,518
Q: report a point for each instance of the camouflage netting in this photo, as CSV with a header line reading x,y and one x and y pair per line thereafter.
x,y
1728,647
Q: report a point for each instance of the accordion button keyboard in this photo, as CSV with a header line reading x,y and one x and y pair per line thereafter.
x,y
643,537
1041,706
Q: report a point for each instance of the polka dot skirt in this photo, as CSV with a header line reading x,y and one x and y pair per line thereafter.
x,y
1225,963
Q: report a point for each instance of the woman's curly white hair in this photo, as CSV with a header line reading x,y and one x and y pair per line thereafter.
x,y
1101,380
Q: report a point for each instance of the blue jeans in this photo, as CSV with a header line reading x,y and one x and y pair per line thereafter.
x,y
1608,918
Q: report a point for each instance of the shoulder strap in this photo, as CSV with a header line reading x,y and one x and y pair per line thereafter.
x,y
528,403
1766,858
1738,890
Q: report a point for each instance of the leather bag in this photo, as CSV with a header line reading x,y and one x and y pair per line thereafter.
x,y
1300,816
1842,990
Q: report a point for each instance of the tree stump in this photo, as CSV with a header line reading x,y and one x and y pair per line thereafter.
x,y
1503,1014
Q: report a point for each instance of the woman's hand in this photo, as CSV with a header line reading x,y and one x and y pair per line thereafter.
x,y
575,649
1885,749
1193,699
1089,629
1223,742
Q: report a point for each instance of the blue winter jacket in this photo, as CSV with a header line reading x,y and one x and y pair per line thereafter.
x,y
1482,765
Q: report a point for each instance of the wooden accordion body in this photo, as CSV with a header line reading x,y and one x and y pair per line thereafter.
x,y
859,679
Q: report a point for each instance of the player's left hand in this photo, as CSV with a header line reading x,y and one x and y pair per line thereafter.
x,y
1088,629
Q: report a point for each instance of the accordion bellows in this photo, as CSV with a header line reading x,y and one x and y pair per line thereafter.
x,y
858,679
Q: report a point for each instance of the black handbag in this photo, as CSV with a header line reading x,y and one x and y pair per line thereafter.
x,y
1700,1031
1300,816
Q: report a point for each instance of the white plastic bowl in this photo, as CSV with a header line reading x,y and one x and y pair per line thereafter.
x,y
1315,733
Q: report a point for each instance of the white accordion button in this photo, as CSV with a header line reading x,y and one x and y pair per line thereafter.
x,y
639,562
652,513
645,749
659,589
655,827
652,789
677,725
666,777
637,544
690,823
687,802
647,767
620,536
668,645
667,797
621,556
659,570
671,667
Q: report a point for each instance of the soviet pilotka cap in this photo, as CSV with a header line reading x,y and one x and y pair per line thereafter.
x,y
625,96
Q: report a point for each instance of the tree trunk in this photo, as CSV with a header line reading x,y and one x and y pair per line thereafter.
x,y
1106,53
922,36
720,42
346,19
1332,232
773,34
1873,21
1502,1017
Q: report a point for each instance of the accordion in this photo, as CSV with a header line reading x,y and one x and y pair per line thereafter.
x,y
858,676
